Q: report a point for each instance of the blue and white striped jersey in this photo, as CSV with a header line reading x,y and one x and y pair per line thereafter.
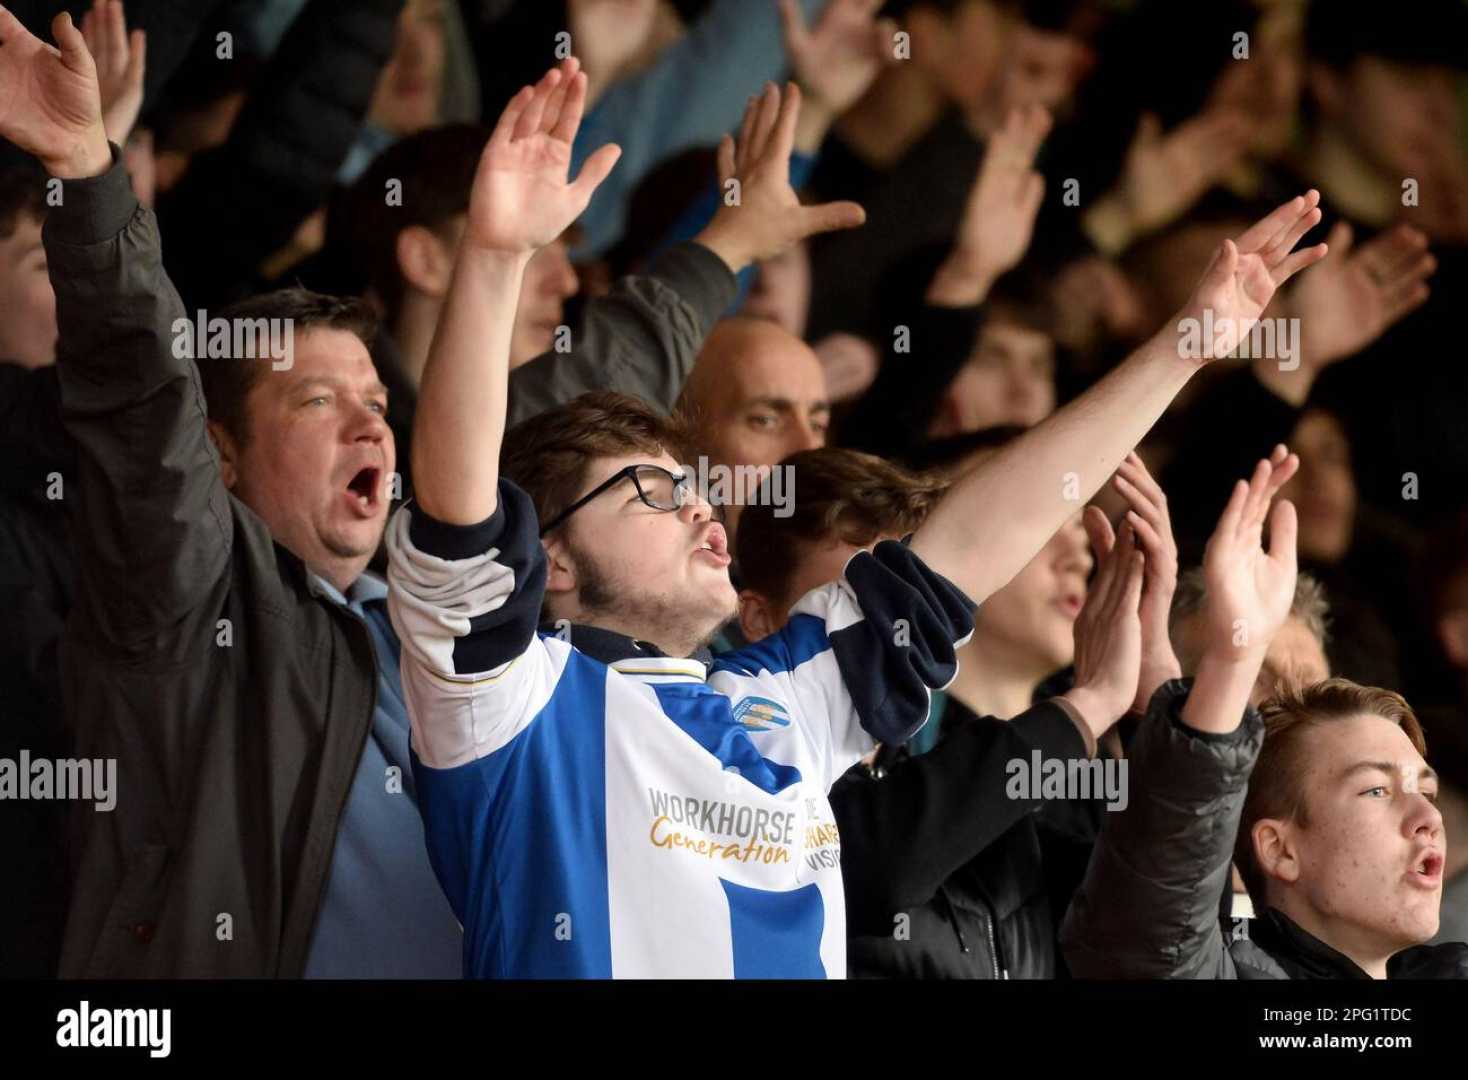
x,y
595,809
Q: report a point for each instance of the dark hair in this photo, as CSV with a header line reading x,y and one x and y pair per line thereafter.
x,y
549,454
22,194
228,380
844,495
1022,298
436,170
949,453
1429,33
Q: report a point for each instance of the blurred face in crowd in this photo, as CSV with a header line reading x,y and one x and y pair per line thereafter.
x,y
550,280
1364,870
781,291
426,261
1009,379
756,395
657,576
1037,67
318,457
27,302
1324,490
1029,625
811,566
1295,655
410,88
1398,116
961,52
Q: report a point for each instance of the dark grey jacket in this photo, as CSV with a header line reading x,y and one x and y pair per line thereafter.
x,y
236,744
1148,908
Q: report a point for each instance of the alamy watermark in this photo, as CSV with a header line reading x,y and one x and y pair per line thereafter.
x,y
219,339
743,485
87,779
1040,777
1212,338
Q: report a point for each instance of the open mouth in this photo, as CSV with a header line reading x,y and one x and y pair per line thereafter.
x,y
363,489
1069,605
1429,868
715,545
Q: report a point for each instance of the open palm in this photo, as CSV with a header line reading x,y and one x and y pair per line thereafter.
x,y
49,101
1244,274
523,197
1357,295
1250,589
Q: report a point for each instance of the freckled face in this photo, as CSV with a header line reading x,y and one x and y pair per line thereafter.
x,y
1370,828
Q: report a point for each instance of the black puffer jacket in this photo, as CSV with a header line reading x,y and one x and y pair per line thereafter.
x,y
1148,908
945,875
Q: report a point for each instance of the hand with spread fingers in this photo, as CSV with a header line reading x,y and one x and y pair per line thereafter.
x,y
835,61
1250,588
1359,293
121,60
50,105
523,197
761,215
1166,173
1244,275
999,217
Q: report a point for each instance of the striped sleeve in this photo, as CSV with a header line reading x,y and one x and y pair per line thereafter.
x,y
465,601
860,657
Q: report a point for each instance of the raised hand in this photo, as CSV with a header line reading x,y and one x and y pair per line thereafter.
x,y
1108,631
1250,589
1165,174
1356,295
523,197
121,62
49,103
1243,276
1152,525
999,217
761,215
836,60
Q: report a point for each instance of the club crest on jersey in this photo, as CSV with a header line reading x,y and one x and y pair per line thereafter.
x,y
761,714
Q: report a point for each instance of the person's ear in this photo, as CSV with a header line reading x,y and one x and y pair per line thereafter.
x,y
425,261
756,616
1452,634
228,454
1276,850
561,569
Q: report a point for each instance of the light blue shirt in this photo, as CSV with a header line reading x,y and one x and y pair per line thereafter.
x,y
383,915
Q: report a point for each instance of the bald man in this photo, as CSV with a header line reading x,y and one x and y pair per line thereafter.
x,y
756,395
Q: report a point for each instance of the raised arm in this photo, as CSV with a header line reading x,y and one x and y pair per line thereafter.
x,y
522,199
644,337
999,515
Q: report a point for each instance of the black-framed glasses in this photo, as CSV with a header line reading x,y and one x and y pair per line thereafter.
x,y
656,486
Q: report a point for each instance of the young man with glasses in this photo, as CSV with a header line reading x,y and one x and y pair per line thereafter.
x,y
600,800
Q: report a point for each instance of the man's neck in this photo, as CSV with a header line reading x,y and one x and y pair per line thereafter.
x,y
988,687
669,642
413,331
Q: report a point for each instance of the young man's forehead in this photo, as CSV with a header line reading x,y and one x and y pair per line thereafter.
x,y
1338,746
